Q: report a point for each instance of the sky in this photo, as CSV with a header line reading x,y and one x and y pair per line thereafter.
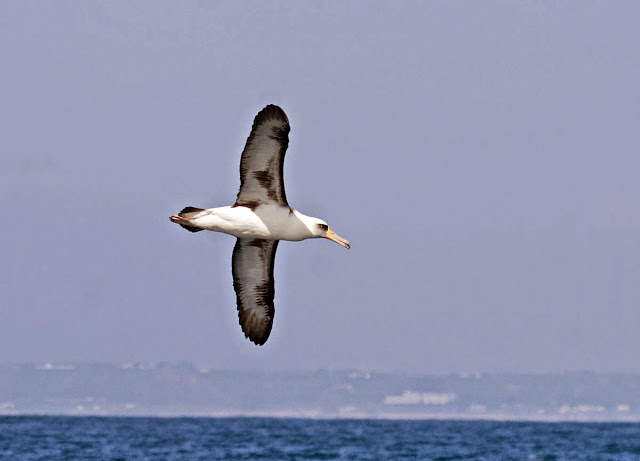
x,y
482,158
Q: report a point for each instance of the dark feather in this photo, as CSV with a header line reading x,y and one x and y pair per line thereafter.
x,y
252,269
262,162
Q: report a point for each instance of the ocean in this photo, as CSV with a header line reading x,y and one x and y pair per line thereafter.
x,y
130,438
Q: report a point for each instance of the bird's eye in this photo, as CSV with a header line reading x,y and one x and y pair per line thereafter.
x,y
323,226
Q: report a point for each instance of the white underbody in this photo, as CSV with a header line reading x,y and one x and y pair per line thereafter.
x,y
270,222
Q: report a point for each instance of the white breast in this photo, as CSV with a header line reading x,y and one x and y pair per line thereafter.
x,y
271,222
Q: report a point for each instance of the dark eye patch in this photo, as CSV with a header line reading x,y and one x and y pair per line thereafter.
x,y
323,226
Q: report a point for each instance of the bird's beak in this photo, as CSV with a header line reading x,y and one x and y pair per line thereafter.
x,y
336,238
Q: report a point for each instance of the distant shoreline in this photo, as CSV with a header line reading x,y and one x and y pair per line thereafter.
x,y
185,390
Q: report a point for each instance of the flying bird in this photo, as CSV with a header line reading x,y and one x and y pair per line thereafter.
x,y
259,219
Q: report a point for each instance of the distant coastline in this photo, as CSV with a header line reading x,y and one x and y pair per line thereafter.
x,y
177,390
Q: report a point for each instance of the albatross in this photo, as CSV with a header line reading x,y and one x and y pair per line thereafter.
x,y
259,219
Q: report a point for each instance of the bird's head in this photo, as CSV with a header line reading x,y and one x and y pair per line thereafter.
x,y
321,229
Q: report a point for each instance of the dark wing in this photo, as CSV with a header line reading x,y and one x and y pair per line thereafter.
x,y
252,269
261,180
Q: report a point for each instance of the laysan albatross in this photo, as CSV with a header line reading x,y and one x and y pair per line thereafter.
x,y
260,218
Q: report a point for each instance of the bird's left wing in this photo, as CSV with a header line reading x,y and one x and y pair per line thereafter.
x,y
252,269
262,161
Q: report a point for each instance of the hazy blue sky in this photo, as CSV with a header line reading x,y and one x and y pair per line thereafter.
x,y
483,158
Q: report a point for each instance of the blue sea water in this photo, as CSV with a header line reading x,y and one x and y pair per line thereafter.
x,y
113,438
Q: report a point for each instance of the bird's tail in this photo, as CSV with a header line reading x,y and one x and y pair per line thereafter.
x,y
185,218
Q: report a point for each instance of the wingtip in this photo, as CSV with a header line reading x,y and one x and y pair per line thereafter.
x,y
270,112
257,342
255,330
257,335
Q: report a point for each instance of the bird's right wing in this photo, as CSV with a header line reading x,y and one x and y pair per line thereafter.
x,y
252,269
